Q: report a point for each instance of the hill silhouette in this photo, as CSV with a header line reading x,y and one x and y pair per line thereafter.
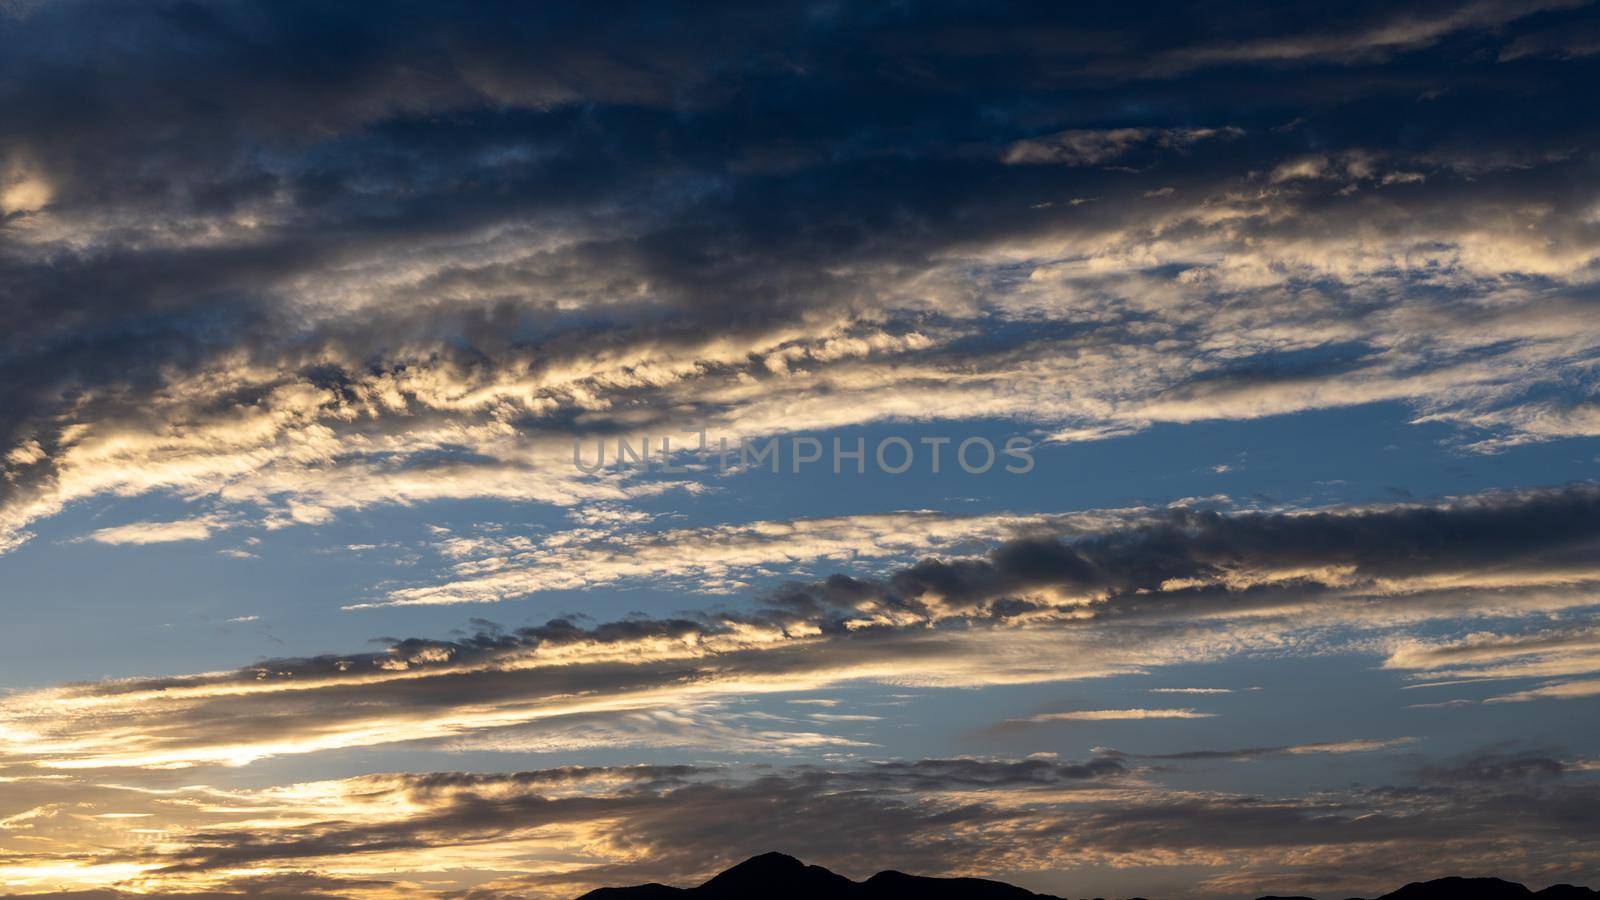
x,y
778,876
1455,888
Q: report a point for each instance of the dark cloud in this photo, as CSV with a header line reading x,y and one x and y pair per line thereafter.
x,y
1497,765
1136,568
278,886
865,808
932,815
1108,602
231,188
271,256
1511,532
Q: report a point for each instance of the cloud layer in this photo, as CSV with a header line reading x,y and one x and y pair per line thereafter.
x,y
292,267
419,281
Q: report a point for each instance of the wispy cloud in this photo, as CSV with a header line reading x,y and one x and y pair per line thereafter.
x,y
1109,715
716,559
1186,586
1247,753
1191,690
196,529
1089,147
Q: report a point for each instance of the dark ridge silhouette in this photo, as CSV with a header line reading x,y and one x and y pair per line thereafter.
x,y
1486,889
777,876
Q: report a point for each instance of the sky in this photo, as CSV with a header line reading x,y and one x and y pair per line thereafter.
x,y
1141,449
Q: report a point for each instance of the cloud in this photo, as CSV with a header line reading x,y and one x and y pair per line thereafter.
x,y
418,832
1496,764
1195,552
1186,586
419,270
25,194
423,283
198,529
1377,40
1561,690
1091,147
1247,753
1109,715
498,566
706,726
1543,654
402,820
1570,42
1191,690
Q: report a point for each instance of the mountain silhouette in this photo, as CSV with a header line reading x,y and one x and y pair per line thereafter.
x,y
1478,889
778,876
